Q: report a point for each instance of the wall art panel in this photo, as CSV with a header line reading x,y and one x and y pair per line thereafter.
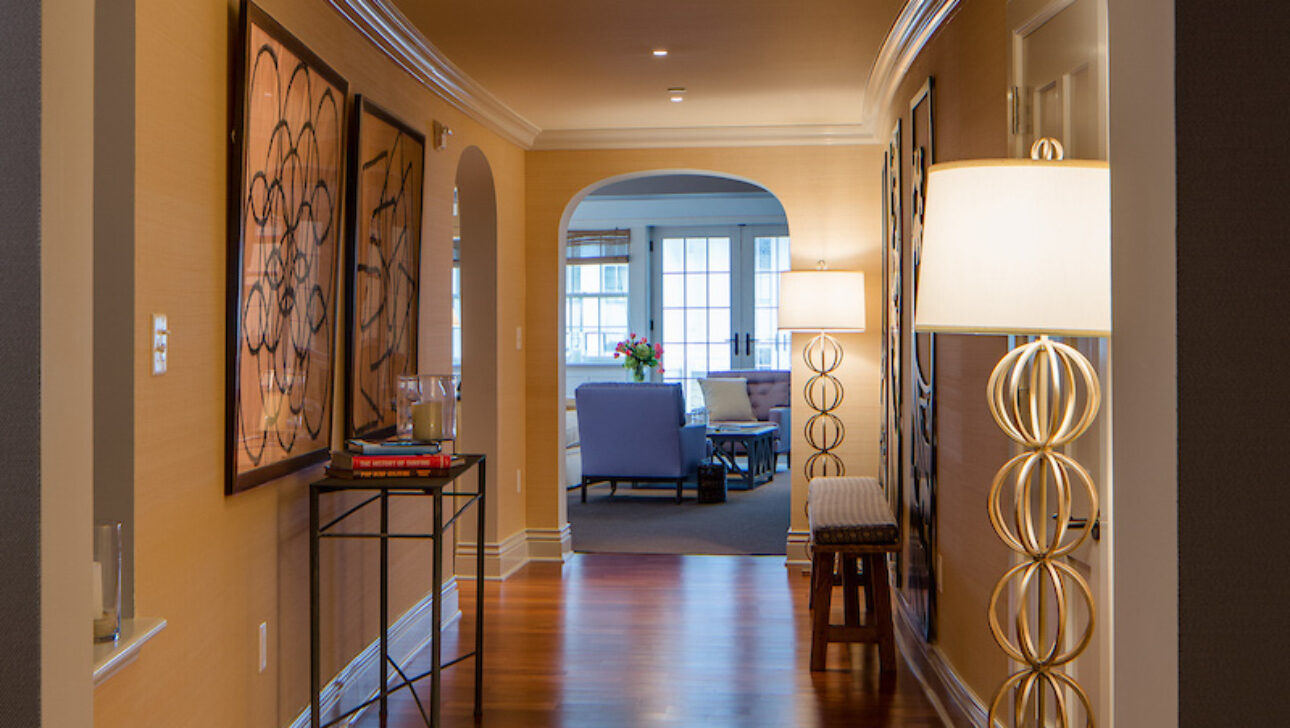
x,y
287,164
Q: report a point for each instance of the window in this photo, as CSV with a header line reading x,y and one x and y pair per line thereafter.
x,y
456,284
596,294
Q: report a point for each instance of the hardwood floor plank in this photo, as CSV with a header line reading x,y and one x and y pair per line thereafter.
x,y
657,641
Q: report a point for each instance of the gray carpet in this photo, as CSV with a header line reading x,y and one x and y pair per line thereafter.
x,y
650,521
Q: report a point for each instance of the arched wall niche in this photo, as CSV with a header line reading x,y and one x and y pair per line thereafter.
x,y
478,409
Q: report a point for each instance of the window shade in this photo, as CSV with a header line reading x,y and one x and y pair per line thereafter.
x,y
598,246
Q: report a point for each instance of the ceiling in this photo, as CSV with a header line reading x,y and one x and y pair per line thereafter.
x,y
587,64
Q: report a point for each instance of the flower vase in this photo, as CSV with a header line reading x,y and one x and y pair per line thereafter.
x,y
638,373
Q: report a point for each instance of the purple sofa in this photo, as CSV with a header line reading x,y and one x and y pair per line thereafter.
x,y
770,391
637,433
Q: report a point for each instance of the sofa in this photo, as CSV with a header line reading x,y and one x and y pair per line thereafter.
x,y
771,396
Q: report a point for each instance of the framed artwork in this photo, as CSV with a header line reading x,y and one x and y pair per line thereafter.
x,y
386,168
891,443
285,197
922,354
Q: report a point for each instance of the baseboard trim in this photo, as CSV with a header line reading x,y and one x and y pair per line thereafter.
x,y
501,559
408,635
796,549
958,705
550,544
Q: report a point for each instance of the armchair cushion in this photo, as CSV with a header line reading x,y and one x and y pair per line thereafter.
x,y
766,388
727,399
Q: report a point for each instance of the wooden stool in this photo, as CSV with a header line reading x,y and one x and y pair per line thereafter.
x,y
850,523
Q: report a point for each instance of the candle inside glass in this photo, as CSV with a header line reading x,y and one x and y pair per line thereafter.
x,y
427,421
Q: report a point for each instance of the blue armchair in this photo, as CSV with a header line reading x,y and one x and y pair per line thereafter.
x,y
637,432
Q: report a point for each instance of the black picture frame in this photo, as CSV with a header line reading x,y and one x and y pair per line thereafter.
x,y
386,182
286,182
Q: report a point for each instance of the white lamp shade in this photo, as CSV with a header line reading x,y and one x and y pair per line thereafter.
x,y
1017,247
821,300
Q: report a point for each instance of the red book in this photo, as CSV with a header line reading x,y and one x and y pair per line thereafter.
x,y
352,461
417,473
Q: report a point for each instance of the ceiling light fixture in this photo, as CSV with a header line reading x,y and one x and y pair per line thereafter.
x,y
678,99
660,52
677,94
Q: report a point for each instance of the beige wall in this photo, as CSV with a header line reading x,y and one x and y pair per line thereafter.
x,y
831,196
217,566
66,358
968,58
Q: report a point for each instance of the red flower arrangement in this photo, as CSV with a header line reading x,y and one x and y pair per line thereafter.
x,y
638,354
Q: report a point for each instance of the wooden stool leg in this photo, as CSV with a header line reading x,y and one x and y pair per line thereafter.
x,y
822,576
876,564
866,583
850,590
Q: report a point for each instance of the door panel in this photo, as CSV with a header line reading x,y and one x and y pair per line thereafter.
x,y
716,300
1059,70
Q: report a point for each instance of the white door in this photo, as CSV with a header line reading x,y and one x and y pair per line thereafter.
x,y
716,300
1059,78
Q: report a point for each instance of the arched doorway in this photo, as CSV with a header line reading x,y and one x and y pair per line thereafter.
x,y
475,291
691,260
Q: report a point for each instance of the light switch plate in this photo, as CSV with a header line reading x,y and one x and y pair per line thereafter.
x,y
160,340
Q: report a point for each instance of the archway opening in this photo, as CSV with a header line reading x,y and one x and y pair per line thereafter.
x,y
474,324
690,261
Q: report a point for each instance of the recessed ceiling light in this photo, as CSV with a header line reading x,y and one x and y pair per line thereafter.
x,y
660,52
678,99
677,94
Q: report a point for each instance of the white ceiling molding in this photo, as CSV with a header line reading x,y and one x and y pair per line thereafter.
x,y
389,30
706,136
913,27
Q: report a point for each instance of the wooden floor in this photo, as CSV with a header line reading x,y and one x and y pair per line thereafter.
x,y
644,641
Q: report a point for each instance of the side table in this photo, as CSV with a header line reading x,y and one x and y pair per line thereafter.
x,y
381,491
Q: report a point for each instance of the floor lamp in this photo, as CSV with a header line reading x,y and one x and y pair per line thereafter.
x,y
822,301
1022,247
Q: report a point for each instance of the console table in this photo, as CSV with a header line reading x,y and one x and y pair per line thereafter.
x,y
381,491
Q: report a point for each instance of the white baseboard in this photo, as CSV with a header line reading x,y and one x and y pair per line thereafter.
x,y
550,544
409,634
796,549
505,558
500,559
957,704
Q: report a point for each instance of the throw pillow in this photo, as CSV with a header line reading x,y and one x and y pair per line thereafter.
x,y
727,399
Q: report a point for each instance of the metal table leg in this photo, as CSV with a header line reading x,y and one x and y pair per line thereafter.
x,y
436,612
479,592
315,666
385,607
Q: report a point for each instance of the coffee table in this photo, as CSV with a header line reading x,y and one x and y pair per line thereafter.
x,y
758,443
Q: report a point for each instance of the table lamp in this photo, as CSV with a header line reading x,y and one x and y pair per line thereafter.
x,y
1015,246
822,301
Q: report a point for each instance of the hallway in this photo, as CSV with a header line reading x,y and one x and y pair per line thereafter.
x,y
676,641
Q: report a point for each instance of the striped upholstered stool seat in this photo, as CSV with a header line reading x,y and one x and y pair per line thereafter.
x,y
851,524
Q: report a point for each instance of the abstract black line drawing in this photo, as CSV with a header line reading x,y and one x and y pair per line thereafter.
x,y
386,168
284,223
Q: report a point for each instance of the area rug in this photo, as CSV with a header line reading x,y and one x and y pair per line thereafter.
x,y
650,521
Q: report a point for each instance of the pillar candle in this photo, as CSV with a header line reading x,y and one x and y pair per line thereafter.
x,y
427,421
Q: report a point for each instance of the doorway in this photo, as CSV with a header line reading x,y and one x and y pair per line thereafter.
x,y
690,261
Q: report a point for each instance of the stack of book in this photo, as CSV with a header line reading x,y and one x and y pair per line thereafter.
x,y
389,459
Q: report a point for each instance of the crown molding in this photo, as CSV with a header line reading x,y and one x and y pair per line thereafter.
x,y
390,31
705,136
915,25
396,36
